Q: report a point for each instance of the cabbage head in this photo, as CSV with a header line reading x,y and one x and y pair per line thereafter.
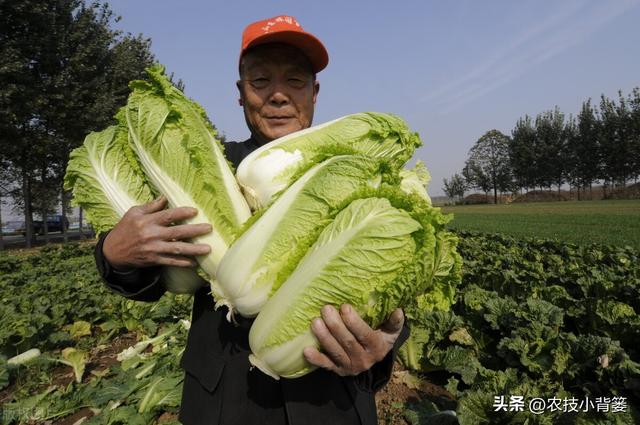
x,y
378,253
176,146
267,252
107,181
275,166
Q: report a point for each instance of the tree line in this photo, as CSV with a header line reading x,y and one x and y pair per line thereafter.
x,y
599,145
64,72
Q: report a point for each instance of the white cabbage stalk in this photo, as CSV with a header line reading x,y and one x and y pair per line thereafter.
x,y
23,358
368,257
177,149
261,259
275,166
107,181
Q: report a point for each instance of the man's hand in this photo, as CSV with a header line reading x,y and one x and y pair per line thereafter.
x,y
350,345
146,237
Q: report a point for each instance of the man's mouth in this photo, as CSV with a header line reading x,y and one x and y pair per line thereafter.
x,y
278,119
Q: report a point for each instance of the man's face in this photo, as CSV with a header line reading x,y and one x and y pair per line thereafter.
x,y
277,90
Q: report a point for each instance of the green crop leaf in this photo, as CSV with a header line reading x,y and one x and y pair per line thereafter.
x,y
426,412
415,180
4,373
614,312
407,379
126,415
79,329
30,409
105,177
412,351
428,330
455,359
163,391
76,359
461,336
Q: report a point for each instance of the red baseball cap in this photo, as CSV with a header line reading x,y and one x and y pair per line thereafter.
x,y
285,29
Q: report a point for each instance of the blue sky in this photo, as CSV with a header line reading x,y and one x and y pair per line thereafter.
x,y
452,69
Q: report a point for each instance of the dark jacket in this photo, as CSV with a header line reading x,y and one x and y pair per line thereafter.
x,y
219,388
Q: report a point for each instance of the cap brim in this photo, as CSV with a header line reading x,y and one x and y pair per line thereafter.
x,y
307,43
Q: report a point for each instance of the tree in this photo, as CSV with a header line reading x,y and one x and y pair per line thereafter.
x,y
93,81
455,187
571,164
634,126
488,164
475,177
64,73
522,153
24,26
5,189
550,148
615,137
584,148
625,138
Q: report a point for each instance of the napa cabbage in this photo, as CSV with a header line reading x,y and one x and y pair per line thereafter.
x,y
177,148
276,165
261,259
105,178
377,254
107,181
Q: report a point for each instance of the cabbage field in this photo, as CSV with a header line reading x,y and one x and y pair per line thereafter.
x,y
534,321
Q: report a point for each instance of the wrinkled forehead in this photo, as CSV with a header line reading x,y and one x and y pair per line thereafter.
x,y
275,55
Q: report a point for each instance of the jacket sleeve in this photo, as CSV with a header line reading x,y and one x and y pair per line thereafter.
x,y
377,377
142,284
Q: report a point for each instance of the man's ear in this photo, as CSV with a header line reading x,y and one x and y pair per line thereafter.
x,y
239,86
316,90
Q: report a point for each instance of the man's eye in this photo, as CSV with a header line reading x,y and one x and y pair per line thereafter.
x,y
297,83
260,83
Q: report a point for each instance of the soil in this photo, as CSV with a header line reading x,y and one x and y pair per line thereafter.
x,y
104,357
85,412
166,417
391,399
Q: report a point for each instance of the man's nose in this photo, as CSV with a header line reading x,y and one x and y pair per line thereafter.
x,y
279,96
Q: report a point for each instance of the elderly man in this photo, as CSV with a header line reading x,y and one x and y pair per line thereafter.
x,y
278,91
